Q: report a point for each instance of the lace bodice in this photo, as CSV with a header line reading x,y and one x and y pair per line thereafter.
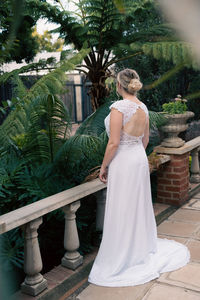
x,y
128,108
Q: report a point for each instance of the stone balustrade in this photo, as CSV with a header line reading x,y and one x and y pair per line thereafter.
x,y
34,282
72,258
29,218
174,168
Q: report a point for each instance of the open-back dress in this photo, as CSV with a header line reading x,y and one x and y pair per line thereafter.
x,y
130,252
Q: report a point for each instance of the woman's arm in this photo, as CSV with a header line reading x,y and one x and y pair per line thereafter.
x,y
116,118
145,139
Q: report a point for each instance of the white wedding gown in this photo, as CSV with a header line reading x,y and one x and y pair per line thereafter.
x,y
130,252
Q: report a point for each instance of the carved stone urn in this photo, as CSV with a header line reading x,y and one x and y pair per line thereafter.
x,y
176,123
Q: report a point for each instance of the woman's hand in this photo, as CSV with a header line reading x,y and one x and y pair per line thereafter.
x,y
103,174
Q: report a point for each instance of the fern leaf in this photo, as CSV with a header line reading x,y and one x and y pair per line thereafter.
x,y
177,52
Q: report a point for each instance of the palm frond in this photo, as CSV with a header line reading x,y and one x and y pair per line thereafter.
x,y
94,124
176,52
40,181
39,129
79,155
11,254
19,89
54,82
17,120
156,120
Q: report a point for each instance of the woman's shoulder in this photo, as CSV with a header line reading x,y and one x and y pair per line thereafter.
x,y
117,104
126,105
145,108
121,103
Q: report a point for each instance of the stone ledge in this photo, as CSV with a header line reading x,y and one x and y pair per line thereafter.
x,y
187,147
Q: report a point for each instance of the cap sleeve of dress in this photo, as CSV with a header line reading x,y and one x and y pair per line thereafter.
x,y
119,106
146,110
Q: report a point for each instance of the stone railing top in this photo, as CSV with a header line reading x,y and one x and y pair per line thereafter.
x,y
40,208
188,146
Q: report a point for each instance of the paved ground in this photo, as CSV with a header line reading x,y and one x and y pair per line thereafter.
x,y
182,284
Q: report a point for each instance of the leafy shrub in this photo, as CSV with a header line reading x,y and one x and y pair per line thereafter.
x,y
11,262
175,107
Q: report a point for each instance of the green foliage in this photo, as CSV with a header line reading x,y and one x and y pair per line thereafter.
x,y
19,89
10,166
176,107
53,82
161,81
16,32
38,129
26,45
156,120
173,51
11,250
94,124
9,28
164,64
45,42
79,155
39,159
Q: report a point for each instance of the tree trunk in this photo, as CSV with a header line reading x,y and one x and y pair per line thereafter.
x,y
98,91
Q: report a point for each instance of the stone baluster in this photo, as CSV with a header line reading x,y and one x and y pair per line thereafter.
x,y
195,175
100,211
34,282
101,200
72,258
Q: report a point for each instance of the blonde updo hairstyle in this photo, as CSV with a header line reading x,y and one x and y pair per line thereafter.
x,y
130,81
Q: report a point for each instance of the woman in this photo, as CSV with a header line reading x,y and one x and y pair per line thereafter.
x,y
130,252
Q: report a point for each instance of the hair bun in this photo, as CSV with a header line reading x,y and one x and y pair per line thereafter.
x,y
134,85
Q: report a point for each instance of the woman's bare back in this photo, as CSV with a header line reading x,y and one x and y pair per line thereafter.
x,y
136,125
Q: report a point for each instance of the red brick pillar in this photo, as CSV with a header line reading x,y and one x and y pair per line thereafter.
x,y
173,180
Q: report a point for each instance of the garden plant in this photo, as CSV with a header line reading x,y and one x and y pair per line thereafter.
x,y
178,106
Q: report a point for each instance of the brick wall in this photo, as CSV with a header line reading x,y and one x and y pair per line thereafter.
x,y
173,180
